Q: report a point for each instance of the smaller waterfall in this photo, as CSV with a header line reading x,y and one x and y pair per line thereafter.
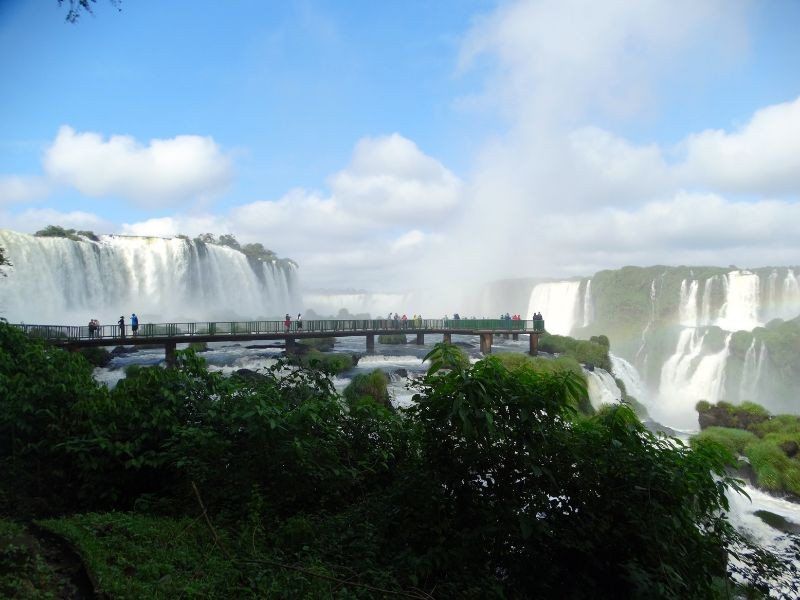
x,y
558,303
689,375
687,308
626,372
588,305
705,310
742,302
602,388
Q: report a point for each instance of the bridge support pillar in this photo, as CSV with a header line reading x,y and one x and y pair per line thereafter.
x,y
420,339
169,354
371,343
486,343
291,346
447,338
534,350
515,336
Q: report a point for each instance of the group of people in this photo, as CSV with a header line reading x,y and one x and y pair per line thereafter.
x,y
287,322
402,322
537,316
508,317
94,326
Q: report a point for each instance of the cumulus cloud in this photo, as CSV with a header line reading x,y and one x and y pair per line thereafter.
x,y
763,156
366,229
165,171
15,189
390,178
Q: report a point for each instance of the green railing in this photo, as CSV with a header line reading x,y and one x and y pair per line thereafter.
x,y
67,333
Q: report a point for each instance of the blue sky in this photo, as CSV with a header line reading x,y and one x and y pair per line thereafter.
x,y
519,110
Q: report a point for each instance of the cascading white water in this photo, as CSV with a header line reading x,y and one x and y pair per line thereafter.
x,y
57,280
558,304
628,374
588,305
602,388
742,302
687,307
790,302
705,309
689,375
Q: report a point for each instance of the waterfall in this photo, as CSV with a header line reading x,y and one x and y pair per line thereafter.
x,y
626,372
687,307
689,375
558,303
705,311
742,302
790,302
752,370
57,280
641,353
602,388
588,306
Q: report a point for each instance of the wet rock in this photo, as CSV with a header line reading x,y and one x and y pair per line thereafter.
x,y
122,350
250,375
790,448
401,372
778,522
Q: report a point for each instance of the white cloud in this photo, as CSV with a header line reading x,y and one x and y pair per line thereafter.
x,y
761,157
555,59
22,189
166,171
38,218
390,178
367,230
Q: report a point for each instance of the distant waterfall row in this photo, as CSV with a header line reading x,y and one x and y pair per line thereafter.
x,y
747,299
691,333
57,280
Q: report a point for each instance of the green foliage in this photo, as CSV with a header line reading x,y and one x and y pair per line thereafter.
x,y
584,351
775,471
70,234
24,572
96,355
393,338
77,7
490,486
327,362
323,344
733,440
133,556
368,387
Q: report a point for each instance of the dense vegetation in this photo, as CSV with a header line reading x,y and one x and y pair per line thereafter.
x,y
70,234
393,338
491,486
254,252
593,351
771,444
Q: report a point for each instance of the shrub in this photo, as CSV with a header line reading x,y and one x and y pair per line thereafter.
x,y
369,387
392,338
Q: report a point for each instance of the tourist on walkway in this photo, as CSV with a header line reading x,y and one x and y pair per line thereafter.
x,y
299,321
121,324
134,324
287,322
93,326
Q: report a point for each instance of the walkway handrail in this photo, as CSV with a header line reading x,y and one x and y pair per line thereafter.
x,y
186,331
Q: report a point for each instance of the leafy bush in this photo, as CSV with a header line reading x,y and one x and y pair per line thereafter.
x,y
369,387
584,351
323,344
392,338
733,440
328,362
